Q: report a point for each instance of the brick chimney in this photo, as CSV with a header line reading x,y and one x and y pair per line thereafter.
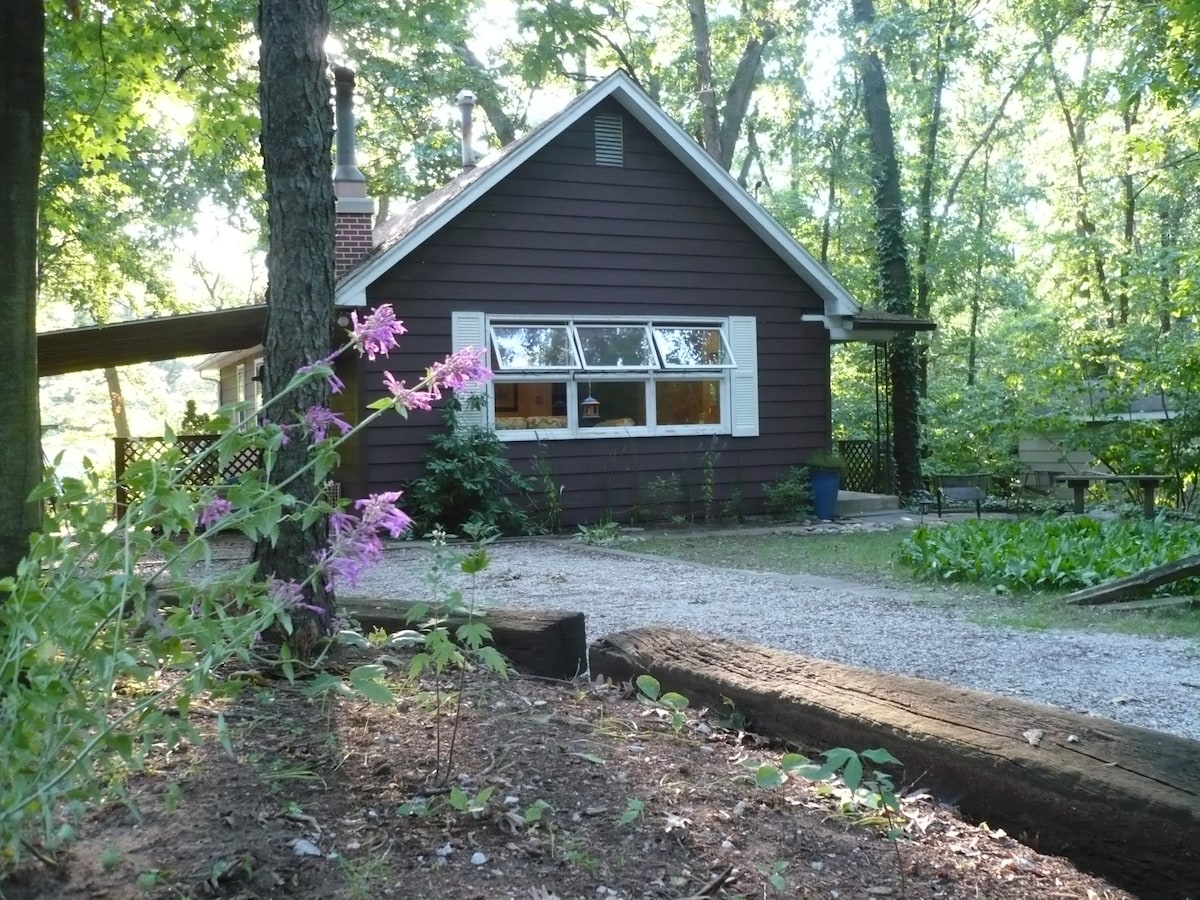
x,y
355,217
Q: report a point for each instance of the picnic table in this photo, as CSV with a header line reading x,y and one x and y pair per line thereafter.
x,y
1079,481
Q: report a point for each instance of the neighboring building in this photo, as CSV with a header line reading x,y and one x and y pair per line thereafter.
x,y
645,317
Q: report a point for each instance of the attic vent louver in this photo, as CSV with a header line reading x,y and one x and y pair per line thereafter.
x,y
610,141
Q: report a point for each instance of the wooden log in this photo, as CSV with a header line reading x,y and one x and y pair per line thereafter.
x,y
1120,801
550,643
1133,585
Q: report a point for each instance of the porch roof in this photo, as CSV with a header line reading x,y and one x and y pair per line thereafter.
x,y
148,340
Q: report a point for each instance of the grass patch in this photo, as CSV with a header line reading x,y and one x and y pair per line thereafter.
x,y
871,557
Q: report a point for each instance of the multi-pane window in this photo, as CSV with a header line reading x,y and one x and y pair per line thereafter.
x,y
592,378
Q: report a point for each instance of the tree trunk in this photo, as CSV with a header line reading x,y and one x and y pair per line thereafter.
x,y
891,254
488,95
22,99
116,400
710,126
719,129
297,131
977,291
929,145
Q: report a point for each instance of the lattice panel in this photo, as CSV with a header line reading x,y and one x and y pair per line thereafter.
x,y
190,448
865,470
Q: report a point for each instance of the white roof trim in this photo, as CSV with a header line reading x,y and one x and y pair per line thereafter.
x,y
838,302
220,360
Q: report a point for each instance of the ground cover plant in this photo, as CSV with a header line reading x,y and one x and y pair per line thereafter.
x,y
1053,553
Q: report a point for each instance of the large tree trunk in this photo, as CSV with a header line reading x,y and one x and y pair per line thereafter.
x,y
297,130
116,401
929,146
22,98
891,254
720,129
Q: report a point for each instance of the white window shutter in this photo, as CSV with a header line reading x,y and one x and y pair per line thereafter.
x,y
743,380
469,329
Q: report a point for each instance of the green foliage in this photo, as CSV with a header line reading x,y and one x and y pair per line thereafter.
x,y
790,495
96,665
1048,554
468,480
195,422
634,810
445,651
670,703
552,494
598,535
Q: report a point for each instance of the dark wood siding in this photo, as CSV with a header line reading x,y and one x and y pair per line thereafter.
x,y
564,236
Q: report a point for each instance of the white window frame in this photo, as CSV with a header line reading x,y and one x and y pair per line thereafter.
x,y
737,378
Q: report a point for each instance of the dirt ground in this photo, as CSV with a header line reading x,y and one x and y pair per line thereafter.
x,y
570,790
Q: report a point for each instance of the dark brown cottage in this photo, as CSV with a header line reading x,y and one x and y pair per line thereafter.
x,y
646,319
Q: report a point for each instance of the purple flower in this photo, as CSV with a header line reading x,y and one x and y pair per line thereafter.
x,y
460,369
290,596
377,332
319,420
354,543
336,385
380,511
408,398
214,511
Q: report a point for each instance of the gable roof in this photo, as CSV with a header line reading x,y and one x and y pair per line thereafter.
x,y
405,233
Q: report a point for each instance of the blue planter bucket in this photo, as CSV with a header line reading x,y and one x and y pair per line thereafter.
x,y
825,491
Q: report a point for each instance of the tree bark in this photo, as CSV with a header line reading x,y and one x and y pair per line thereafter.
x,y
488,95
297,131
710,125
22,101
116,401
720,128
891,254
929,146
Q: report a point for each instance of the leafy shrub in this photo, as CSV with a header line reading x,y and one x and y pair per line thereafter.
x,y
790,495
1062,554
469,480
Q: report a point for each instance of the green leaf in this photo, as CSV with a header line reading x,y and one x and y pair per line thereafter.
x,y
475,562
324,683
879,756
673,700
474,633
589,757
223,734
368,681
648,685
789,762
768,776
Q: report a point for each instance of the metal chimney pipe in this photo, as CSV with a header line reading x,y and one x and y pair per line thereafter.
x,y
466,103
346,168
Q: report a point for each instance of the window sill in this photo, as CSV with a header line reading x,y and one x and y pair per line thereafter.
x,y
584,434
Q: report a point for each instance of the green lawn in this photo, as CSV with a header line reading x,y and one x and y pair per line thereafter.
x,y
869,557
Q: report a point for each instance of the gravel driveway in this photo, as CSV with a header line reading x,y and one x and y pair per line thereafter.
x,y
1152,682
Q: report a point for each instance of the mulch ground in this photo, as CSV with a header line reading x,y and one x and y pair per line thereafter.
x,y
545,790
